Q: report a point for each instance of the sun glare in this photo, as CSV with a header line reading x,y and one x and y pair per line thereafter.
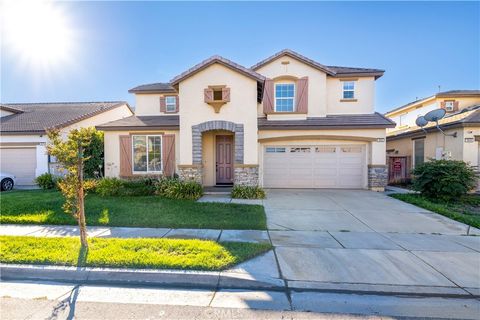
x,y
38,33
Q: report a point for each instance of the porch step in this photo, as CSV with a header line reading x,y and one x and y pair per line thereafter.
x,y
219,190
216,192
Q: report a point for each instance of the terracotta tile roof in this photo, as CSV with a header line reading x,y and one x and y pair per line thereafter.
x,y
171,122
221,60
330,70
153,88
37,117
347,121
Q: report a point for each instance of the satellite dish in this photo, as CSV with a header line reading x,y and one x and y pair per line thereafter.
x,y
435,115
421,121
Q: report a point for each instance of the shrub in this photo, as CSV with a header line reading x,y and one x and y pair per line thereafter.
x,y
140,187
94,152
109,187
444,179
176,189
46,181
248,192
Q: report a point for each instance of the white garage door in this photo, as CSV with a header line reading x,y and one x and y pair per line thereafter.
x,y
20,162
319,166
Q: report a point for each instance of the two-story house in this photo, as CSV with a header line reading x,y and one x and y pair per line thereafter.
x,y
286,122
409,145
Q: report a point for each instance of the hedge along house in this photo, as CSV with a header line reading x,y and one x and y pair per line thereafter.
x,y
23,128
286,122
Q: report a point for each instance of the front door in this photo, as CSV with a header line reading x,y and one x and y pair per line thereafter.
x,y
224,165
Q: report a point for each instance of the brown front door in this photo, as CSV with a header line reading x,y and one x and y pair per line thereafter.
x,y
224,166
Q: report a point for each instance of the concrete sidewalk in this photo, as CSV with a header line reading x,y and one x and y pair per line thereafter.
x,y
255,236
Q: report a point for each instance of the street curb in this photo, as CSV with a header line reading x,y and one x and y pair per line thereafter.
x,y
210,280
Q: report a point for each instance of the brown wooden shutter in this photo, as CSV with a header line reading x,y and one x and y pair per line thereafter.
x,y
163,105
226,94
443,105
125,156
455,105
177,104
268,96
208,95
168,155
302,95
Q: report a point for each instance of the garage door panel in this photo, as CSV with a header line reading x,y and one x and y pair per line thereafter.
x,y
21,162
322,166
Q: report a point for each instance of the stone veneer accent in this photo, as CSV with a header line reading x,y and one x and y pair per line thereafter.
x,y
198,129
246,175
190,173
377,177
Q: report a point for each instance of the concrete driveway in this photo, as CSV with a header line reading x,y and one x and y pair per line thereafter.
x,y
356,239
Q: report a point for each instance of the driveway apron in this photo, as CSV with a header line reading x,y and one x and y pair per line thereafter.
x,y
324,238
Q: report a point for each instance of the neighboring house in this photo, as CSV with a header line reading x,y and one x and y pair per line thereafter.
x,y
23,132
408,145
286,122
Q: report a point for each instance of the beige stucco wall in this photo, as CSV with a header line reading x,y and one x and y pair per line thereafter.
x,y
148,104
111,115
112,149
317,82
454,148
240,109
364,96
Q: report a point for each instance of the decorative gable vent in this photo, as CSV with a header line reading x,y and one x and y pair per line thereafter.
x,y
217,96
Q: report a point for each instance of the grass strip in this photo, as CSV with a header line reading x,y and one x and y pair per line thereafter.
x,y
128,253
462,210
45,207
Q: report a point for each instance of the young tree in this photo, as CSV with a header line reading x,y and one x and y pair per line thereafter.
x,y
70,154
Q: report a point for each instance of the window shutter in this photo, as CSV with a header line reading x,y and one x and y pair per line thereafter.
x,y
125,156
177,103
226,94
455,105
443,104
163,104
168,155
208,95
268,96
302,95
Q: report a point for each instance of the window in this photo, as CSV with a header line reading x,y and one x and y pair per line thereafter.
x,y
419,151
147,153
170,104
275,150
217,94
302,150
348,90
449,105
284,97
325,149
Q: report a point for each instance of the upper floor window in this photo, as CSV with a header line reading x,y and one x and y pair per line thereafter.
x,y
449,105
348,89
170,104
284,97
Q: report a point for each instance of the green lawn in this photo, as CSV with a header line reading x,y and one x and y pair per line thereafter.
x,y
466,209
45,207
128,253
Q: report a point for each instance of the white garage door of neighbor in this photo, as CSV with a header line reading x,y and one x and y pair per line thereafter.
x,y
320,166
20,162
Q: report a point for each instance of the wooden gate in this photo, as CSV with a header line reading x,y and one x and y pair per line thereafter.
x,y
398,169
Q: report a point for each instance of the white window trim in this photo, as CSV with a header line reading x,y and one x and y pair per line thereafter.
x,y
452,107
167,104
284,98
352,90
161,153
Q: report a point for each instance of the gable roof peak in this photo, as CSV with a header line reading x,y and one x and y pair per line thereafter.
x,y
221,60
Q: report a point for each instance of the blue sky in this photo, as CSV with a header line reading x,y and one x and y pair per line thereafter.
x,y
119,45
